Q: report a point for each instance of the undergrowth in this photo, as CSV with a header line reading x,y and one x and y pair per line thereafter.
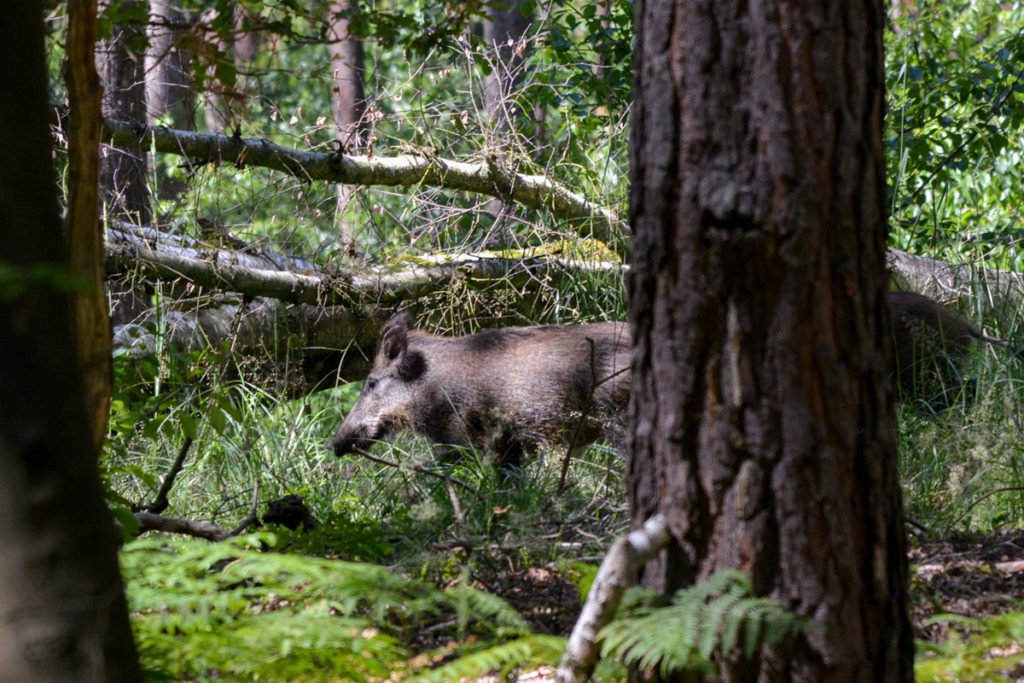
x,y
977,650
233,610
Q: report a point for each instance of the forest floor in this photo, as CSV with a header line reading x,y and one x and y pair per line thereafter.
x,y
965,575
970,576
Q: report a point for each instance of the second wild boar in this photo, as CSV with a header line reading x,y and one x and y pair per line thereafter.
x,y
931,346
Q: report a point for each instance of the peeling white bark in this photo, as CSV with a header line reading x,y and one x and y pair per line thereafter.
x,y
617,573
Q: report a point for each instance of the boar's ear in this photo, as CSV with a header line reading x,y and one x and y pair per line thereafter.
x,y
395,338
394,348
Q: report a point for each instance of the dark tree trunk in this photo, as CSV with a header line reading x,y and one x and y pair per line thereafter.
x,y
763,421
121,67
63,615
348,98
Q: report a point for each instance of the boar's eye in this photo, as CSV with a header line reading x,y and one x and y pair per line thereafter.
x,y
371,383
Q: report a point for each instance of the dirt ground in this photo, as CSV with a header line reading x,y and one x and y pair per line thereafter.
x,y
970,576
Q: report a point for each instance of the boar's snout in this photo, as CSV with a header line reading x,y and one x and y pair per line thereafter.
x,y
359,438
345,442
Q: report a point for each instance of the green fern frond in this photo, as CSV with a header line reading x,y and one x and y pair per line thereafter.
x,y
489,608
231,610
531,651
703,621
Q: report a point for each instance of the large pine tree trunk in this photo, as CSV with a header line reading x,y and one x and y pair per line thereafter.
x,y
764,427
62,609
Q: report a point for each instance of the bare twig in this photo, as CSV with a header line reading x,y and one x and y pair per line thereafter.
x,y
252,516
423,470
460,515
617,572
160,503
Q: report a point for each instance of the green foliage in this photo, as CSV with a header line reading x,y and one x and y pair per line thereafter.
x,y
719,617
203,611
991,651
578,38
954,127
530,651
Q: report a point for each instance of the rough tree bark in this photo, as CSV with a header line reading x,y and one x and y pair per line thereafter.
x,y
119,61
63,615
763,421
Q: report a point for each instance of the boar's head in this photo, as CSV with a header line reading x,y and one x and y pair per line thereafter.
x,y
389,392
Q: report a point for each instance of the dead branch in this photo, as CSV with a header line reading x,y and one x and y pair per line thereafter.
x,y
990,290
533,191
221,270
149,521
618,571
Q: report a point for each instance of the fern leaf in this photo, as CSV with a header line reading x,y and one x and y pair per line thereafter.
x,y
532,650
702,622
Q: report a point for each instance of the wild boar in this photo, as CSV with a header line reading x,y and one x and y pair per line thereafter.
x,y
498,391
507,390
931,347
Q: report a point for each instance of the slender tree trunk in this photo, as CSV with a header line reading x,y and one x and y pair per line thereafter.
x,y
168,82
504,28
82,228
763,421
63,615
226,100
121,67
169,95
348,99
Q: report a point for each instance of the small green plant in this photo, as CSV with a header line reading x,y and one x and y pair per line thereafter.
x,y
990,651
717,617
529,651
